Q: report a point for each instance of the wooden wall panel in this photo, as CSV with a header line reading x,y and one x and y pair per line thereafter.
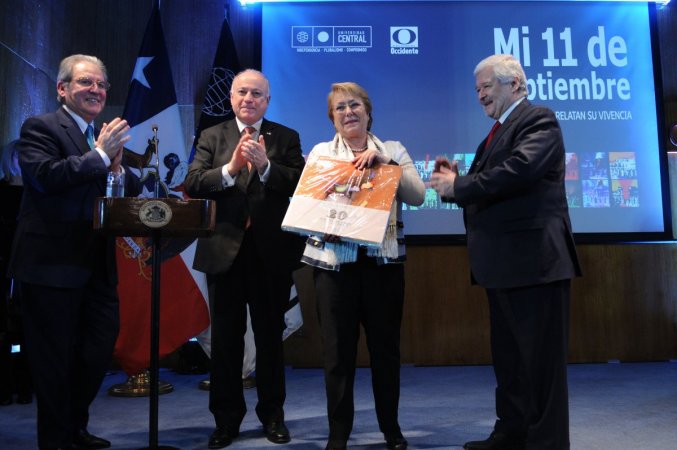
x,y
623,308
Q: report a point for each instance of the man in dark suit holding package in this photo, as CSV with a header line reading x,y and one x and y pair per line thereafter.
x,y
66,269
522,252
250,166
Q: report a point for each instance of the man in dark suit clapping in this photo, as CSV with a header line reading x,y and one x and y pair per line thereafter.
x,y
522,252
66,269
250,166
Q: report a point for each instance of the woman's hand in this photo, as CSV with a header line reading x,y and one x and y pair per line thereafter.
x,y
369,158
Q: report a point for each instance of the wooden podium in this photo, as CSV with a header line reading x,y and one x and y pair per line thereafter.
x,y
157,218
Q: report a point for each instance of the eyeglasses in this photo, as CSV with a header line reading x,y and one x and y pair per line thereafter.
x,y
88,83
342,108
255,93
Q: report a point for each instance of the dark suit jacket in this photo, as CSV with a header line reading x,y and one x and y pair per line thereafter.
x,y
515,207
55,244
265,204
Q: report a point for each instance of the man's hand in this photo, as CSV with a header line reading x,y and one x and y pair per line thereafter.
x,y
116,161
112,138
440,162
443,177
255,153
238,160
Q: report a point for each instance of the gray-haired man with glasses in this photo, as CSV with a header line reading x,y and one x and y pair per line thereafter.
x,y
66,271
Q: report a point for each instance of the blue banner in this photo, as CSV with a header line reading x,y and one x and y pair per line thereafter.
x,y
589,62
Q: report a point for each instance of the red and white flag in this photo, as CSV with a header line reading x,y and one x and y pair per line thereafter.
x,y
184,312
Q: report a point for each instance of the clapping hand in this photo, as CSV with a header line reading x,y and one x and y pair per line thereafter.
x,y
112,138
443,177
255,152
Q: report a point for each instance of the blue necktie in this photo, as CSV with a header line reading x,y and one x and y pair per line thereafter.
x,y
89,134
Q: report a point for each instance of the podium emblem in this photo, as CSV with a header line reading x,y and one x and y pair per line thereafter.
x,y
155,214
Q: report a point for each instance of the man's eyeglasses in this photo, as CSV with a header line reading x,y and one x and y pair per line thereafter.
x,y
255,93
88,83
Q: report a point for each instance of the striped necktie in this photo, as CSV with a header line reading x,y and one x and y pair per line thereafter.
x,y
89,134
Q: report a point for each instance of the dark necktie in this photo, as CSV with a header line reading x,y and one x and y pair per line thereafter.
x,y
491,133
479,154
89,134
250,131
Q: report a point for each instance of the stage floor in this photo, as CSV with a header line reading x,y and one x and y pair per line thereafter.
x,y
614,406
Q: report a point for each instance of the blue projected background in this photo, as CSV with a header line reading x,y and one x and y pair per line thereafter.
x,y
589,62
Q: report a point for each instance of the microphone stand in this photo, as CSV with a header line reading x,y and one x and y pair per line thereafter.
x,y
157,162
155,317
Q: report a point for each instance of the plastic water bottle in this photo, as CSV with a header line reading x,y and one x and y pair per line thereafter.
x,y
115,184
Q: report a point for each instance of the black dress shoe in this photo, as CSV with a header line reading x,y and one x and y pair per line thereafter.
x,y
249,382
24,398
396,443
222,437
336,445
497,441
277,432
83,439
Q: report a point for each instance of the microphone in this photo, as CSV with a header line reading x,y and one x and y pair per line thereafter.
x,y
154,128
157,161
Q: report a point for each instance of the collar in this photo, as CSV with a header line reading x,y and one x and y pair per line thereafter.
x,y
79,120
339,147
241,125
510,109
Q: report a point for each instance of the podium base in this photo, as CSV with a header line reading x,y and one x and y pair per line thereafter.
x,y
138,386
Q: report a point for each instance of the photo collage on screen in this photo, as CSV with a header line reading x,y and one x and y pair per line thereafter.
x,y
602,180
592,179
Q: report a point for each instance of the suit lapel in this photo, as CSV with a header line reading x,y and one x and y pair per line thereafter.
x,y
73,131
267,132
484,155
232,137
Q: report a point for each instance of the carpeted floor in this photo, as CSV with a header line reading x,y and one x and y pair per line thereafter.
x,y
613,407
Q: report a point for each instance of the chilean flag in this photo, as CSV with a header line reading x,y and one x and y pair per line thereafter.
x,y
184,313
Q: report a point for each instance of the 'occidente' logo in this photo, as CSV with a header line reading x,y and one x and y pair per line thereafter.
x,y
404,40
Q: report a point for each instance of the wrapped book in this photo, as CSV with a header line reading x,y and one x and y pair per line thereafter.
x,y
335,198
